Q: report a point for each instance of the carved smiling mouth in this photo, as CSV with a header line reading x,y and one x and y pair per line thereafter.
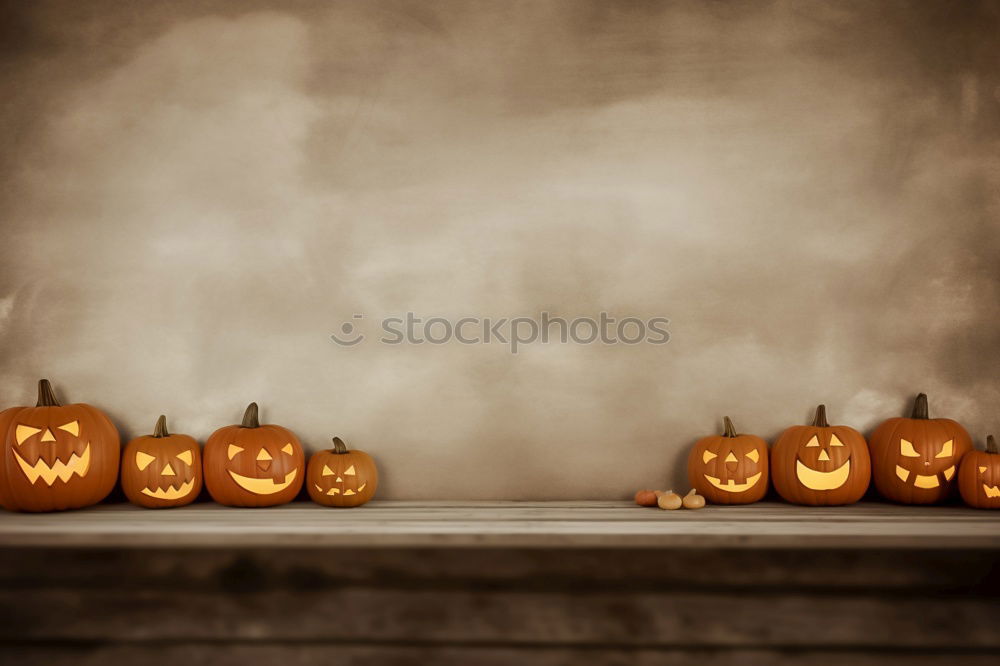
x,y
77,464
923,480
263,486
991,491
732,486
170,493
816,480
336,491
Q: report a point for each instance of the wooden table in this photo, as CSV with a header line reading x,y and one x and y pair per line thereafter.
x,y
509,524
491,583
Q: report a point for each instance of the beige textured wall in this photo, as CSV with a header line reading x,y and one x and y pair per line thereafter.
x,y
196,194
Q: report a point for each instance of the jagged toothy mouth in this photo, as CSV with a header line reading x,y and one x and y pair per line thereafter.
x,y
336,491
263,486
170,493
77,464
991,491
731,486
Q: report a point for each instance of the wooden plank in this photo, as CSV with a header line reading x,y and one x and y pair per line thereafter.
x,y
516,524
628,618
241,653
970,572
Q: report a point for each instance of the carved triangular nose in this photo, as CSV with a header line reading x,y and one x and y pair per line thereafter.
x,y
47,437
263,455
731,457
823,455
167,471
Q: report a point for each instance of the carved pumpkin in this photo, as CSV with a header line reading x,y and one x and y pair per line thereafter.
x,y
729,468
56,457
161,470
339,477
820,465
914,460
252,464
979,477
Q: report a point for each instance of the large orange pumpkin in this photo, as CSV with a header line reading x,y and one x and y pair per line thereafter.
x,y
253,465
820,465
338,477
161,470
56,456
979,477
914,460
729,468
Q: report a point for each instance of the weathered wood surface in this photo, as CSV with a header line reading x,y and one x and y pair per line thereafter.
x,y
497,606
499,524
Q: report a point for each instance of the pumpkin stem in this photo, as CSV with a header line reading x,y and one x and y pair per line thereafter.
x,y
820,420
991,444
250,419
46,398
161,427
339,446
730,428
920,407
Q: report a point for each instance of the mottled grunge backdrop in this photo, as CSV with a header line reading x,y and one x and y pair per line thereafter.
x,y
195,194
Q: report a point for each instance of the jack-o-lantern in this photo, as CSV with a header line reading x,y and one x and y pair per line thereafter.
x,y
979,477
56,456
338,477
252,464
730,468
820,465
161,470
914,460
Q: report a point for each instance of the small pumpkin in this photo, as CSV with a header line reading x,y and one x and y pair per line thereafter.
x,y
914,460
253,465
340,477
979,477
161,470
820,464
730,468
56,456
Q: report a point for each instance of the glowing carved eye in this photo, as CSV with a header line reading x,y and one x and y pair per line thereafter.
x,y
813,442
73,428
287,448
834,441
946,450
327,471
753,455
186,457
233,450
349,471
906,448
143,460
24,432
708,455
982,469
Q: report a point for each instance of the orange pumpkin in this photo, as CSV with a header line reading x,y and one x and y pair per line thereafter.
x,y
56,456
729,468
253,465
820,465
979,477
338,477
161,470
914,460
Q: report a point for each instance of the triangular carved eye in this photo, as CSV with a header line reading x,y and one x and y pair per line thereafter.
x,y
25,431
327,471
349,471
73,428
186,457
947,450
813,442
754,455
143,460
707,456
233,450
287,449
834,441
